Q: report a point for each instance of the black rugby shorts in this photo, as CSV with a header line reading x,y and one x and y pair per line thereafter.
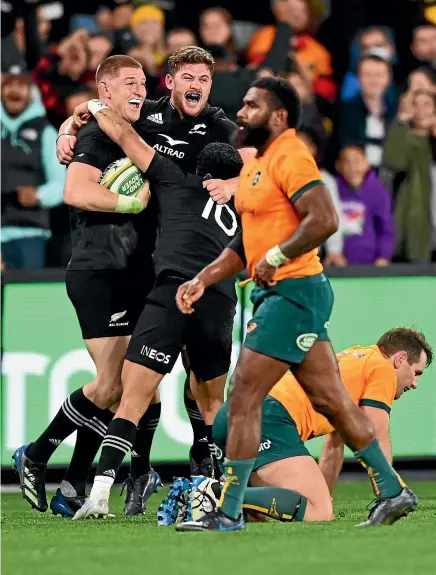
x,y
162,331
108,303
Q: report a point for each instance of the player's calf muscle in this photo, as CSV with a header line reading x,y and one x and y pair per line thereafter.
x,y
103,393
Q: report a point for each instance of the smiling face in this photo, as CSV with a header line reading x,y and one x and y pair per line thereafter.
x,y
15,95
424,110
124,92
190,86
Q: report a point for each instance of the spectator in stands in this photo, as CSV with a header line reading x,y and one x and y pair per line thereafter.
x,y
61,71
422,79
216,30
231,81
312,55
375,40
148,25
21,48
100,47
366,209
78,96
178,38
334,246
367,116
409,172
316,112
32,180
423,47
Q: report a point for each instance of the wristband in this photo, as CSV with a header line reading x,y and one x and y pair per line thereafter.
x,y
95,106
128,205
60,136
275,257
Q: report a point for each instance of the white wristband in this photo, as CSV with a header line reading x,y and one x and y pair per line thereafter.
x,y
128,205
95,106
275,257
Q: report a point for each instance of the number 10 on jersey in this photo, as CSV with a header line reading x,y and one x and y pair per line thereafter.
x,y
218,211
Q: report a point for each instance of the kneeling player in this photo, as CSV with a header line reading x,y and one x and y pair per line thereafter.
x,y
286,482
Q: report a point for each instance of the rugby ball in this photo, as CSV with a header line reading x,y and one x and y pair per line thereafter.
x,y
204,498
123,177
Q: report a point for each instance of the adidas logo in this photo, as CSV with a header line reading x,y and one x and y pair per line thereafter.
x,y
55,441
134,454
156,118
110,473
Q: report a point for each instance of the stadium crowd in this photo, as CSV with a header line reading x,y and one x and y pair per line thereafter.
x,y
365,72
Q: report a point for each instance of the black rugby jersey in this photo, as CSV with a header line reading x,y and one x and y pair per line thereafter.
x,y
101,240
182,140
193,229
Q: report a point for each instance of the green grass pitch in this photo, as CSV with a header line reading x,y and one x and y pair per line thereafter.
x,y
40,544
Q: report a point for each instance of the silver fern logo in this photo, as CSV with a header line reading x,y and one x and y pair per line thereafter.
x,y
116,317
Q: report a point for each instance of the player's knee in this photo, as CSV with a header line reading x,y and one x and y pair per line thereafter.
x,y
108,393
319,511
103,392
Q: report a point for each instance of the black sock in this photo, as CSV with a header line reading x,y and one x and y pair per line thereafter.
x,y
200,445
210,442
87,444
147,425
119,439
76,411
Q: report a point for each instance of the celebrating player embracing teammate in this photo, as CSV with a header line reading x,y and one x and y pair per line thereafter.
x,y
189,123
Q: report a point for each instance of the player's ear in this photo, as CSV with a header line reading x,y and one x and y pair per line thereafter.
x,y
103,89
169,81
400,359
279,117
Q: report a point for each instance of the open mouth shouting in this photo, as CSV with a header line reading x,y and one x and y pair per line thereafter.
x,y
192,99
135,103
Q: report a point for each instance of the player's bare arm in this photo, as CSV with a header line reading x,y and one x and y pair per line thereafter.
x,y
83,191
66,141
318,221
380,420
226,265
331,459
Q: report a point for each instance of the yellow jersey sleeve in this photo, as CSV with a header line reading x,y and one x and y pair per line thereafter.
x,y
295,172
380,388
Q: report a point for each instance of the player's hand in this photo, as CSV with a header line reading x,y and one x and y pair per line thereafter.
x,y
337,260
144,195
382,262
65,148
264,274
218,190
81,114
27,196
188,293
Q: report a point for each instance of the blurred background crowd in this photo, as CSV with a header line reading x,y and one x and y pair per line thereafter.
x,y
365,71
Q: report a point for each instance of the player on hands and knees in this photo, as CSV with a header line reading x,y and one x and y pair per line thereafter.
x,y
180,127
286,483
107,280
193,230
286,215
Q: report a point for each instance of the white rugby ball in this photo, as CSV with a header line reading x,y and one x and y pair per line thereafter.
x,y
204,498
123,177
